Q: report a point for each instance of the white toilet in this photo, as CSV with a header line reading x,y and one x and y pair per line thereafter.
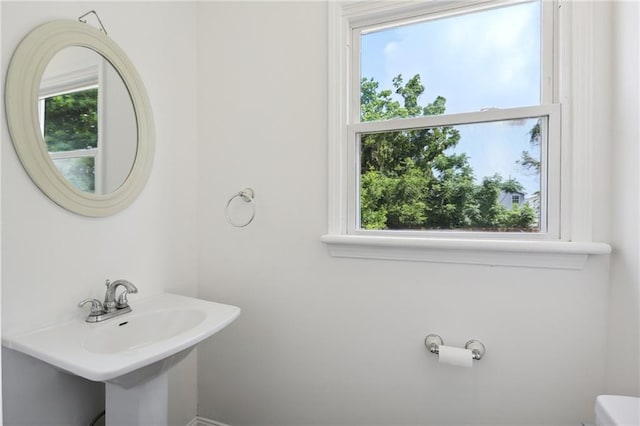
x,y
616,410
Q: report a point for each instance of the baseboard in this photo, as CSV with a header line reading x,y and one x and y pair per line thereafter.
x,y
201,421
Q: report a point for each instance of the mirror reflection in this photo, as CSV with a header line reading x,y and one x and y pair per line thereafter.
x,y
87,120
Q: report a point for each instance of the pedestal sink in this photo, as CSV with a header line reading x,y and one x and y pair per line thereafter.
x,y
131,353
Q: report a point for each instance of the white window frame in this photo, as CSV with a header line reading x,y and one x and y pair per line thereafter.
x,y
557,248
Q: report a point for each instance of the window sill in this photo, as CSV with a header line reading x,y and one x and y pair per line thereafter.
x,y
530,254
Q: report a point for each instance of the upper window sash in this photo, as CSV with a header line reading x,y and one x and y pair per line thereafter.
x,y
367,17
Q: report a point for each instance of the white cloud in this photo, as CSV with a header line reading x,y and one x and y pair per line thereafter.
x,y
390,47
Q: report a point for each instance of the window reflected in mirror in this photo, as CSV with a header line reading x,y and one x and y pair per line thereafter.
x,y
69,124
87,120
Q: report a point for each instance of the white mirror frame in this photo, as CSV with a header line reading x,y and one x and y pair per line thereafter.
x,y
22,89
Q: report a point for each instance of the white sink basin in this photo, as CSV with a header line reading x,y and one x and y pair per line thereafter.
x,y
617,410
129,348
142,329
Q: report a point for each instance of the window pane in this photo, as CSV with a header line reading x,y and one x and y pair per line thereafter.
x,y
71,121
461,63
80,171
472,177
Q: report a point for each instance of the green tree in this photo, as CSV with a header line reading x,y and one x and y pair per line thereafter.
x,y
411,180
532,164
527,161
71,121
404,172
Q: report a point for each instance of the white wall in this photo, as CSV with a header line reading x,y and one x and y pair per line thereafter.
x,y
623,366
326,341
52,258
2,115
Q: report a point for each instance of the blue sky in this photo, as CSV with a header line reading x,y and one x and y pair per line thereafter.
x,y
488,59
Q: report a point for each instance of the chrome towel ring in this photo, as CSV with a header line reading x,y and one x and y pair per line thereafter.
x,y
248,196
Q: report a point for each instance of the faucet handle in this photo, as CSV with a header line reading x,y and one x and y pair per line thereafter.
x,y
122,300
96,306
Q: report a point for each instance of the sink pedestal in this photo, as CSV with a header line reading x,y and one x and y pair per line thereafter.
x,y
141,397
142,404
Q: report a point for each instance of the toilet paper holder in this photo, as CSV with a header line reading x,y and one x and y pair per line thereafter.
x,y
433,343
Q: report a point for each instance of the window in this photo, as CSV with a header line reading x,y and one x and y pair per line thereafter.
x,y
69,123
69,103
424,135
450,109
515,200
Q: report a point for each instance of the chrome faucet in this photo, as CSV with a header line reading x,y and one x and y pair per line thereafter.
x,y
110,304
110,307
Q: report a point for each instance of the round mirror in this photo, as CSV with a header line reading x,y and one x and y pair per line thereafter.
x,y
79,118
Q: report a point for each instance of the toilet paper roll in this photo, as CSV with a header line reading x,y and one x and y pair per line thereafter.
x,y
455,356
